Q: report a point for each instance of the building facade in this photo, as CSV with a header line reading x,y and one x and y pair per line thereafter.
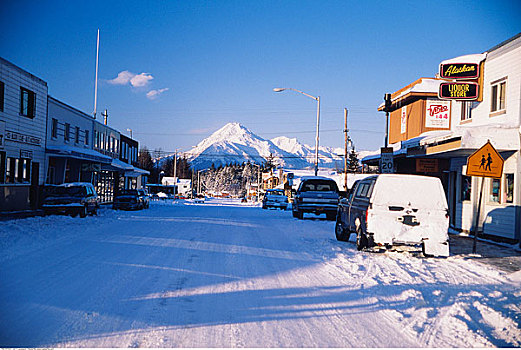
x,y
23,113
70,153
432,136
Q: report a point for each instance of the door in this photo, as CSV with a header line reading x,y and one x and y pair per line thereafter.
x,y
34,192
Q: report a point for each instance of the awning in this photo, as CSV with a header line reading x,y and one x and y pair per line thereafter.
x,y
78,153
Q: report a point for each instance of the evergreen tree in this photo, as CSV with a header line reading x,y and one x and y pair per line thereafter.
x,y
353,163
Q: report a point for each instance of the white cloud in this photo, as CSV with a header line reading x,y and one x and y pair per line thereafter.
x,y
141,80
136,80
153,94
123,78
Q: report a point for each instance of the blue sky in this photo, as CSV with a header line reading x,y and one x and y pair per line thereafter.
x,y
189,67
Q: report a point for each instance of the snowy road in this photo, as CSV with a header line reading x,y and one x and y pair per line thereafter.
x,y
231,276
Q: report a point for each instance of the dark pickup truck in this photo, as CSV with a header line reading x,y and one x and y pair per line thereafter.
x,y
318,195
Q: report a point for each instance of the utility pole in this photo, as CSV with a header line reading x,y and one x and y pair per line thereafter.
x,y
388,102
106,117
345,148
175,166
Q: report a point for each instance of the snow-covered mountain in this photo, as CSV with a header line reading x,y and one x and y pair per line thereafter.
x,y
234,143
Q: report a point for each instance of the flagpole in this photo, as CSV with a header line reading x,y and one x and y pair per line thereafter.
x,y
96,81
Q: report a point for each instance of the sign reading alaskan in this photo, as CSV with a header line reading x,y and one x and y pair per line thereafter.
x,y
459,70
485,162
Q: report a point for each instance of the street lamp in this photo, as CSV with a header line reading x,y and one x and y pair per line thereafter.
x,y
130,130
318,120
258,180
198,181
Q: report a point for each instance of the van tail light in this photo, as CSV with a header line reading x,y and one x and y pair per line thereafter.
x,y
366,215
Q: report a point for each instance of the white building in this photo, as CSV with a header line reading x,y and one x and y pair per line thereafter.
x,y
23,112
70,154
442,150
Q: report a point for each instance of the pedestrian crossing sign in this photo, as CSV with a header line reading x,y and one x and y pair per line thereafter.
x,y
485,162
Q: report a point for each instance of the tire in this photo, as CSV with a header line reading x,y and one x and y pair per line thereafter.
x,y
300,215
83,212
361,239
294,214
340,233
331,216
94,212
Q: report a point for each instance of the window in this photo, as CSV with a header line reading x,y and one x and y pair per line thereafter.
x,y
509,188
86,137
24,170
498,95
466,188
54,128
2,89
66,135
466,109
77,135
27,103
495,186
10,170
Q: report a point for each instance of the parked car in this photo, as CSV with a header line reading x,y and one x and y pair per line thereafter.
x,y
316,194
131,199
78,198
275,198
395,209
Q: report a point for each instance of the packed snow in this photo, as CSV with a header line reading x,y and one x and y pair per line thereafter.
x,y
226,274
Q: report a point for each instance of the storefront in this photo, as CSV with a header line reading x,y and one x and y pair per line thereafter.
x,y
23,112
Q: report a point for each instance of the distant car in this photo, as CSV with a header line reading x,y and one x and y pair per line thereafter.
x,y
275,199
78,198
395,209
316,194
131,199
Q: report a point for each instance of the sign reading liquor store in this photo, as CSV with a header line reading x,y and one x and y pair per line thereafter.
x,y
459,70
459,91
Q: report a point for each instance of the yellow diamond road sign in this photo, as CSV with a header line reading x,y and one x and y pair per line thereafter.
x,y
485,162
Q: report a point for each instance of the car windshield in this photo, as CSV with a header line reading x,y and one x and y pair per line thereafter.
x,y
275,193
319,185
128,193
70,191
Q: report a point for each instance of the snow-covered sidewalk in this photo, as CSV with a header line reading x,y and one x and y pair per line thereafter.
x,y
229,275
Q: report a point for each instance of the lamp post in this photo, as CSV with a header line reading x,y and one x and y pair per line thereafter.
x,y
198,181
258,180
130,131
318,120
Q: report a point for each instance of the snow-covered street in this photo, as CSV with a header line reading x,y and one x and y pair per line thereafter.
x,y
224,275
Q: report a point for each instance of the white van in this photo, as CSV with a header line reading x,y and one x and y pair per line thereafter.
x,y
395,209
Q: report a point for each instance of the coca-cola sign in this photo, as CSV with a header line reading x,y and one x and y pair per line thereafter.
x,y
437,114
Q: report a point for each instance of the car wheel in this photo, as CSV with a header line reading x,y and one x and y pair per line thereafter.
x,y
94,211
340,233
300,215
331,216
294,213
83,212
361,239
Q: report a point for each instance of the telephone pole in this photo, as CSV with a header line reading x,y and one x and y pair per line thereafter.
x,y
345,148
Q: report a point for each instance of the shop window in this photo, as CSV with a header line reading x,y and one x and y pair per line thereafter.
x,y
27,103
466,188
495,187
77,135
509,188
66,135
2,167
498,96
54,128
11,170
2,89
